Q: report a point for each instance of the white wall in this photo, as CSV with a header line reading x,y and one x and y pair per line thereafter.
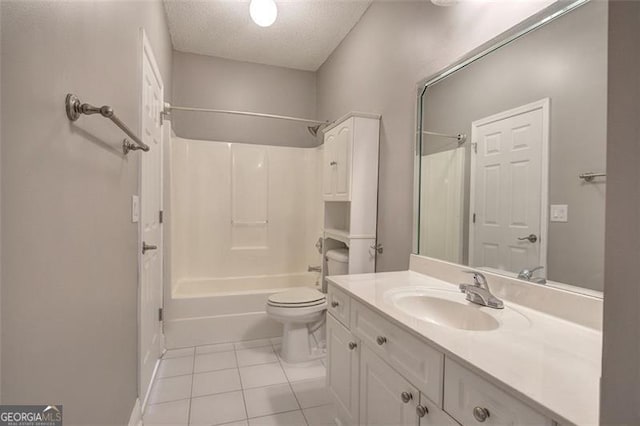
x,y
276,184
69,249
376,68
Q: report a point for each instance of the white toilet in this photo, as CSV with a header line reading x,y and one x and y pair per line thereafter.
x,y
299,308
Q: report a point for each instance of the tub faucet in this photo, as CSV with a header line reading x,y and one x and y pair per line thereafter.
x,y
314,268
479,291
527,275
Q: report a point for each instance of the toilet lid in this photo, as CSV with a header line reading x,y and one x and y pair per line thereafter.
x,y
297,297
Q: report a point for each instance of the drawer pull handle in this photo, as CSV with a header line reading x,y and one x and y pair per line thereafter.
x,y
406,397
421,410
353,345
335,304
480,414
381,340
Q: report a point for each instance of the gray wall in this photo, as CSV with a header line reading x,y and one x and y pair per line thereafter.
x,y
376,69
565,61
69,249
620,383
210,82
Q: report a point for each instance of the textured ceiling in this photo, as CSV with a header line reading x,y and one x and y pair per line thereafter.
x,y
303,36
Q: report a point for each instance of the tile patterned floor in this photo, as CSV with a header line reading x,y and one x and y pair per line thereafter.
x,y
244,383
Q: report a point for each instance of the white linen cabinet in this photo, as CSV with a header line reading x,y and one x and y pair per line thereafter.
x,y
350,188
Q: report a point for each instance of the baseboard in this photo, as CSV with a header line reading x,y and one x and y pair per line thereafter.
x,y
136,414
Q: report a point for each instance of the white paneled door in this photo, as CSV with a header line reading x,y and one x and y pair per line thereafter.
x,y
150,293
509,170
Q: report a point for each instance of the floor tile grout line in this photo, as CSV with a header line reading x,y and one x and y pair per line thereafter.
x,y
244,400
290,387
193,369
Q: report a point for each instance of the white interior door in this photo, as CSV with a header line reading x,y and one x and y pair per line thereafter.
x,y
150,295
509,189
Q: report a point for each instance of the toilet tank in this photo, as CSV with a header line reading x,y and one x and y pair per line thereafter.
x,y
338,262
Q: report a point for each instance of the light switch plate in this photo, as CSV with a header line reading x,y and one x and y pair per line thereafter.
x,y
559,213
135,208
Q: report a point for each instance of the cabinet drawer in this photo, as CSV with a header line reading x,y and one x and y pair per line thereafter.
x,y
339,305
418,362
469,398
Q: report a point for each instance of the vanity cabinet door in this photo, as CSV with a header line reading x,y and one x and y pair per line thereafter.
x,y
429,414
343,370
386,398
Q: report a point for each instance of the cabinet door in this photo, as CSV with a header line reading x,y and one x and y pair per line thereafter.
x,y
431,415
329,166
381,394
342,370
343,161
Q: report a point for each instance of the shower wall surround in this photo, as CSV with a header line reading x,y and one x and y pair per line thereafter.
x,y
243,210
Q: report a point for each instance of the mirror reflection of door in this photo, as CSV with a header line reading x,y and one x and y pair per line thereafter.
x,y
509,189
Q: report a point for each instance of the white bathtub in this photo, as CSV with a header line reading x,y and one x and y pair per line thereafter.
x,y
217,310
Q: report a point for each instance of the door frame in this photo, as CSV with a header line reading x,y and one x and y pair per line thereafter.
x,y
145,49
544,105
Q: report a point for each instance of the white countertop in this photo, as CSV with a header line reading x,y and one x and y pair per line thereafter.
x,y
550,363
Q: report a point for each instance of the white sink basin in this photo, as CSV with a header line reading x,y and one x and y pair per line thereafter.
x,y
450,309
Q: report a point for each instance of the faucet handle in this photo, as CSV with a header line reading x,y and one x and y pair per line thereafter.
x,y
478,278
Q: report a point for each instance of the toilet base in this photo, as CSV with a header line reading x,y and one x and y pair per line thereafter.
x,y
296,344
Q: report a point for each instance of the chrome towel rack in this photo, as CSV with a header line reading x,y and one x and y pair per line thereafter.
x,y
590,176
75,109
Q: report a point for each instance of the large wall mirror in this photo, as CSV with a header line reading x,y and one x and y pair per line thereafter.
x,y
511,149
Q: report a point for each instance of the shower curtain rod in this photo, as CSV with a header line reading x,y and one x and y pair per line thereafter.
x,y
168,107
461,138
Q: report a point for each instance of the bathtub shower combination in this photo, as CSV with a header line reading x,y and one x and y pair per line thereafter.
x,y
244,221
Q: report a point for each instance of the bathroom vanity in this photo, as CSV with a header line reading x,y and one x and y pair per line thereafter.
x,y
406,348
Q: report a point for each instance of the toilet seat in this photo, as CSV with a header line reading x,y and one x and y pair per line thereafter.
x,y
303,297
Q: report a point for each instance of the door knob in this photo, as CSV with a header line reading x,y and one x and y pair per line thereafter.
x,y
532,238
381,340
146,247
406,397
335,304
353,345
333,163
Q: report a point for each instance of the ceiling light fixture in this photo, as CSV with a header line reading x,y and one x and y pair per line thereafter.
x,y
263,12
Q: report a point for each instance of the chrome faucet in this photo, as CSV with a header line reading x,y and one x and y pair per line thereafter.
x,y
527,275
479,291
